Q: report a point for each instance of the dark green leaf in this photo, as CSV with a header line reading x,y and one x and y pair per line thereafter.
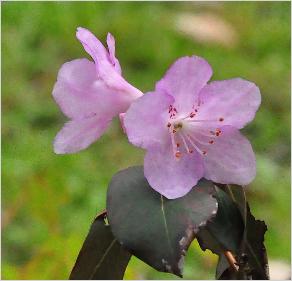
x,y
153,228
253,247
101,256
252,256
225,231
223,270
237,195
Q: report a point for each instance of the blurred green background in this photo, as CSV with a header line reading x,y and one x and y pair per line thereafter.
x,y
49,201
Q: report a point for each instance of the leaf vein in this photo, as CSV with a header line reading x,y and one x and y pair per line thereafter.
x,y
165,225
102,258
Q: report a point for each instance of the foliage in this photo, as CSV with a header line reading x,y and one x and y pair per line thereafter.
x,y
159,231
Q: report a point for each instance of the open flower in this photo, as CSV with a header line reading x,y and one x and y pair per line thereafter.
x,y
190,129
90,94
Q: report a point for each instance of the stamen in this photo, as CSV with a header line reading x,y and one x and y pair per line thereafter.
x,y
197,140
207,135
185,143
192,143
202,120
221,119
168,125
176,153
211,142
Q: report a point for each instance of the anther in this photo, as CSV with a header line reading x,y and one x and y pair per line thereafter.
x,y
221,119
218,132
211,141
204,152
177,154
192,115
168,125
191,151
177,145
174,131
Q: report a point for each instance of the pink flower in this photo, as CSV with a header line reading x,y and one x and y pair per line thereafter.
x,y
190,129
90,94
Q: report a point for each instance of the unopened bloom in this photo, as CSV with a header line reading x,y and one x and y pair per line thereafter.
x,y
190,129
90,94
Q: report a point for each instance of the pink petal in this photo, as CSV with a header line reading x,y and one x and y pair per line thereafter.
x,y
80,94
171,177
146,120
73,89
235,100
107,71
111,47
77,135
92,45
184,80
230,160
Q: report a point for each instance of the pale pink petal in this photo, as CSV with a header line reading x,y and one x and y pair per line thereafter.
x,y
146,120
92,45
77,135
79,94
235,100
184,80
111,47
230,160
73,89
108,72
171,177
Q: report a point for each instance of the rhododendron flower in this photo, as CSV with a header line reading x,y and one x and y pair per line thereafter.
x,y
90,94
190,129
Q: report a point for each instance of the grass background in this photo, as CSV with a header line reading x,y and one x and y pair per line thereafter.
x,y
49,201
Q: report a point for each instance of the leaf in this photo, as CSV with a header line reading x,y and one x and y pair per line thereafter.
x,y
223,270
155,229
101,256
253,247
252,256
225,231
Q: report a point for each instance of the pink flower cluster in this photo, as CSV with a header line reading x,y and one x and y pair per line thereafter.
x,y
188,127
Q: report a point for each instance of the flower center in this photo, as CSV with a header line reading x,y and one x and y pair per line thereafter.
x,y
189,134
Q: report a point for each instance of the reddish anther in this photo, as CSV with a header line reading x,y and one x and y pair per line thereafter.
x,y
177,154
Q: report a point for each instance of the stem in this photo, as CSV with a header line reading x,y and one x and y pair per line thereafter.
x,y
231,260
